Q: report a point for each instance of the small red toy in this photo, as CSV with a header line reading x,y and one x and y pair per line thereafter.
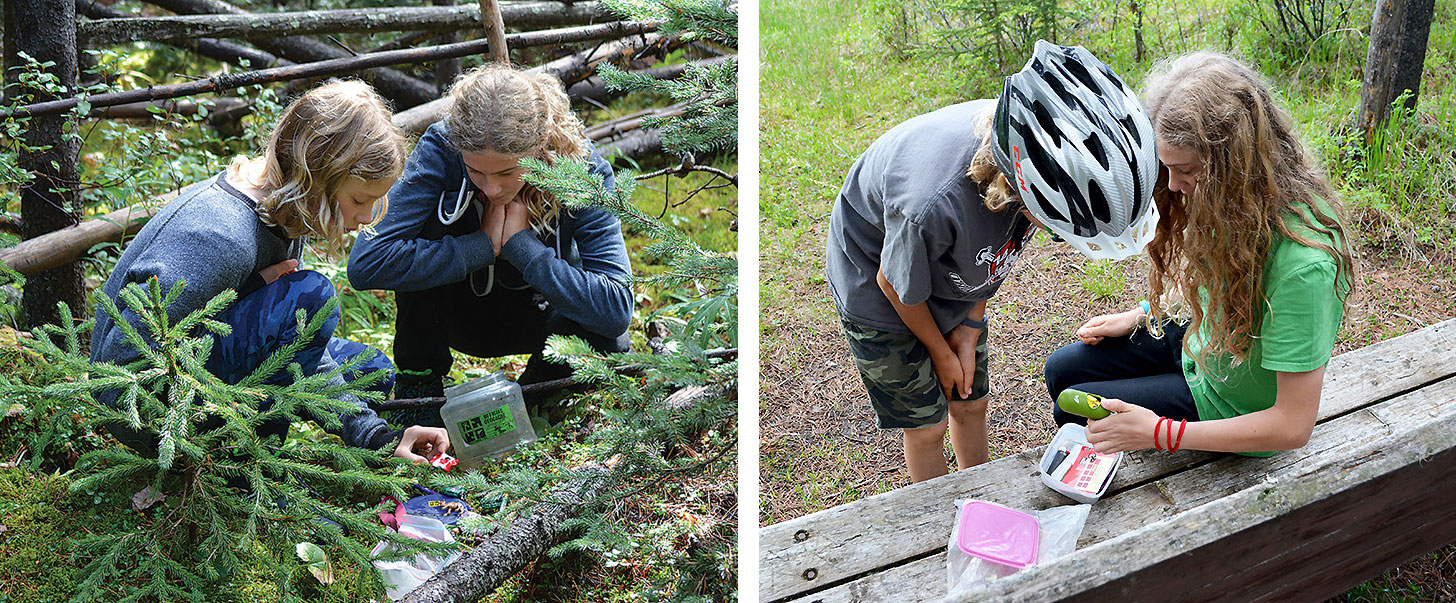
x,y
444,461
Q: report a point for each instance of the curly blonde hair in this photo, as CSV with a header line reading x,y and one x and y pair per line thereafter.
x,y
337,131
1256,177
499,109
998,194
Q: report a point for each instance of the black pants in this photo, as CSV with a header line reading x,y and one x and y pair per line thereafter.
x,y
512,319
1139,369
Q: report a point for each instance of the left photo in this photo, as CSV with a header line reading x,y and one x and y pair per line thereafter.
x,y
352,301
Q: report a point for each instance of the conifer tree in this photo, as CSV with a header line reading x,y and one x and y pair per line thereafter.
x,y
225,492
649,422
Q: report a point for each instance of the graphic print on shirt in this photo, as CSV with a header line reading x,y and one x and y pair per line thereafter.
x,y
1000,260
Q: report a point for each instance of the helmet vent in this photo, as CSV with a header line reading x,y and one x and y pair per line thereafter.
x,y
1098,201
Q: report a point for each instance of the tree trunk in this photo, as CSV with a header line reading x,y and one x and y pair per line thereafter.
x,y
441,18
495,31
46,30
229,81
484,568
569,70
1399,32
404,90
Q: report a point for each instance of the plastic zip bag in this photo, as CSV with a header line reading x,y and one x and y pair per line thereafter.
x,y
405,575
1060,527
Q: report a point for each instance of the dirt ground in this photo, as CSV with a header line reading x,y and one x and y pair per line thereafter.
x,y
820,447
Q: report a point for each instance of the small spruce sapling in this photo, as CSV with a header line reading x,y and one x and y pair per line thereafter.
x,y
230,493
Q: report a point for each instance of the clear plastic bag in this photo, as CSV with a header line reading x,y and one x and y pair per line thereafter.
x,y
1059,529
404,575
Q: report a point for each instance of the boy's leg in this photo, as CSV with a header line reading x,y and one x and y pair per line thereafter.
x,y
968,417
925,452
905,393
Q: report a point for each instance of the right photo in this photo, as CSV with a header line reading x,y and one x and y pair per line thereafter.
x,y
1107,300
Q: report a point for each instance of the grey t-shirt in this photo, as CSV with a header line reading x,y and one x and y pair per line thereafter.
x,y
908,208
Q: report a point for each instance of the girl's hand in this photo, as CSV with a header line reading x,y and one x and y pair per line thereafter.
x,y
518,218
962,341
1109,325
420,440
1129,427
493,223
276,271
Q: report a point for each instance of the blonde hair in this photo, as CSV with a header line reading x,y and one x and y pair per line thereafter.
x,y
335,132
499,109
1255,177
997,192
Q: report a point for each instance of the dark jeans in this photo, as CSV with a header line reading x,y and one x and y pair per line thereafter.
x,y
513,319
264,321
1139,369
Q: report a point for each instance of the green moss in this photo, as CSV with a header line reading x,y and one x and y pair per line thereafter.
x,y
34,554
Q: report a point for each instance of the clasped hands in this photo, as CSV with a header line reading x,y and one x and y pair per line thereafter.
x,y
955,364
501,222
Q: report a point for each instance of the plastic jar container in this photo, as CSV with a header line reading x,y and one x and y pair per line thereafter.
x,y
485,417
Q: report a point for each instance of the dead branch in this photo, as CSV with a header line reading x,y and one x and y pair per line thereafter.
x,y
226,52
520,15
404,90
484,568
33,256
181,107
569,70
629,123
495,32
232,81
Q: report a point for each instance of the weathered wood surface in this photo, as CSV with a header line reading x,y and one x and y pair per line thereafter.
x,y
523,15
895,529
569,69
231,81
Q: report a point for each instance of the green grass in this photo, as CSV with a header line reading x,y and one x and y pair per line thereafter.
x,y
1103,279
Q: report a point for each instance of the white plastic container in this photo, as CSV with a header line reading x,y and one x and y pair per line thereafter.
x,y
485,418
1072,433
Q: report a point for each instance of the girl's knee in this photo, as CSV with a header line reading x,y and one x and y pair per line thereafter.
x,y
310,291
1061,367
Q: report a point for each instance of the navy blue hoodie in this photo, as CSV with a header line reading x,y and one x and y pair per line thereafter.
x,y
582,270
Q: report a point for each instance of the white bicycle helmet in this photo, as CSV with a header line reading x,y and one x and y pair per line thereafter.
x,y
1080,150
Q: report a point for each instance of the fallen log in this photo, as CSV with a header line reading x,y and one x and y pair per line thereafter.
x,y
215,106
620,126
230,81
33,256
226,52
569,70
520,15
404,90
505,553
594,88
531,388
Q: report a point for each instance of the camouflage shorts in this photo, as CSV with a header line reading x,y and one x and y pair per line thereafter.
x,y
900,377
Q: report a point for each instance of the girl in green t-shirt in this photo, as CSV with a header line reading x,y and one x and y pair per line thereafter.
x,y
1251,235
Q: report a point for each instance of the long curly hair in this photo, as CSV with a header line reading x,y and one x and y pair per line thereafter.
x,y
997,192
503,110
1256,180
337,131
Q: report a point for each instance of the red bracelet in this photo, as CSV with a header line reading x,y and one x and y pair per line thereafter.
x,y
1169,439
1156,429
1181,426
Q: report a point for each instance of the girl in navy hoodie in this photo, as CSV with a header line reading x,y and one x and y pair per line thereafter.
x,y
482,262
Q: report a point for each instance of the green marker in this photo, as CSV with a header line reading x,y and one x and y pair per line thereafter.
x,y
1082,404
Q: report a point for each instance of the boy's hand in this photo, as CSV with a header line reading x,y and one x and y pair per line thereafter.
x,y
1121,324
418,440
1129,427
276,271
962,341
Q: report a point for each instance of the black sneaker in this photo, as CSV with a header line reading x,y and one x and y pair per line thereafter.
x,y
410,384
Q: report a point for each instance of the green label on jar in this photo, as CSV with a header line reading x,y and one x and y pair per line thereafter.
x,y
489,424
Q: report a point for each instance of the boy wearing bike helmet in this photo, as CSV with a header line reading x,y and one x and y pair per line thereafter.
x,y
928,226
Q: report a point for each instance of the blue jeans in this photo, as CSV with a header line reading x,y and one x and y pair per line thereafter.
x,y
1139,369
264,321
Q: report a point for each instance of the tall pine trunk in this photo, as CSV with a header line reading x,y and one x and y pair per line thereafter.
x,y
1398,35
46,30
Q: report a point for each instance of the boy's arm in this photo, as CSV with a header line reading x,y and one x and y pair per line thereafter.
x,y
922,325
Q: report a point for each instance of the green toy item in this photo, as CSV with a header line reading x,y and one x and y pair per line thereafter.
x,y
1082,404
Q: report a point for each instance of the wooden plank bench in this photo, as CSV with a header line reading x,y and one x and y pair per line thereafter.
x,y
1375,486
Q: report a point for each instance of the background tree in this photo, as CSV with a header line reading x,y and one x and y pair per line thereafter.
x,y
1399,32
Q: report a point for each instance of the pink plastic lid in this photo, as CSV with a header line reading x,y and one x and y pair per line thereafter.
x,y
998,534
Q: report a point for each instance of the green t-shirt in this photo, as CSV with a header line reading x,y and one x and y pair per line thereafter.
x,y
1296,334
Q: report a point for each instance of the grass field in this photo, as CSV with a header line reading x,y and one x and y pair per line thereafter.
x,y
835,76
